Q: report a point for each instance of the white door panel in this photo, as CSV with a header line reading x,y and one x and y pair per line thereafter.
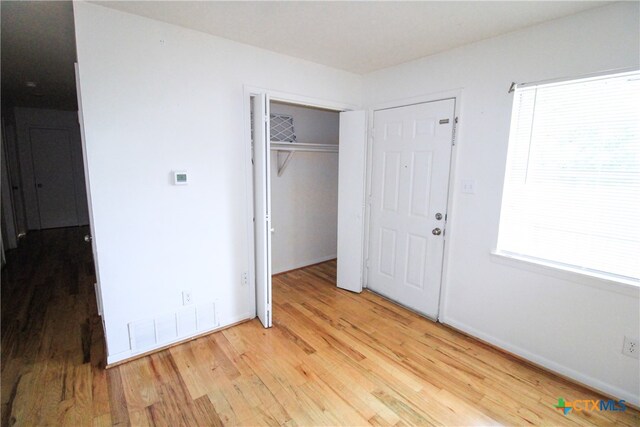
x,y
262,206
351,176
410,179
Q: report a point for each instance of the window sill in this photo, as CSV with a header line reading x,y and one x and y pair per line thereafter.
x,y
619,285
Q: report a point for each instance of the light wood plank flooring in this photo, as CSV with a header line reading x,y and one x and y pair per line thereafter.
x,y
332,358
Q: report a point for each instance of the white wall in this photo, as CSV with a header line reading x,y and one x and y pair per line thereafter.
x,y
27,118
570,325
157,98
304,200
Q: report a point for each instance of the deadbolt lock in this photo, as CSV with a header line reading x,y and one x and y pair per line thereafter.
x,y
438,216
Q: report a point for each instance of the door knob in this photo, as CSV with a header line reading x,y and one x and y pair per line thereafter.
x,y
436,232
87,238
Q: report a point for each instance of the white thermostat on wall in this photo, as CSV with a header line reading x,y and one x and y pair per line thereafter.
x,y
180,178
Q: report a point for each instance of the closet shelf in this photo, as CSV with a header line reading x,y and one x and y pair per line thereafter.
x,y
290,148
300,146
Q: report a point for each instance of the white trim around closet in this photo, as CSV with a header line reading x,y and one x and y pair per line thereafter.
x,y
274,95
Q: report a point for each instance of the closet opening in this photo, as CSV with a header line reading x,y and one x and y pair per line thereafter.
x,y
304,200
307,166
304,186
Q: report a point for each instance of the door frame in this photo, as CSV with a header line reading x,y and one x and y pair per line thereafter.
x,y
279,96
10,231
27,118
456,95
74,173
87,182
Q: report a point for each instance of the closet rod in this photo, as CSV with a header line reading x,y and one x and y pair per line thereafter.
x,y
299,146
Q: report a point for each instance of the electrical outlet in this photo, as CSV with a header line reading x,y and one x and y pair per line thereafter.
x,y
244,279
631,347
186,297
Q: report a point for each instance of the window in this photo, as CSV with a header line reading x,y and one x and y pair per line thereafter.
x,y
572,186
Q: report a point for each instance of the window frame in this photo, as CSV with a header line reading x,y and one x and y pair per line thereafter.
x,y
603,280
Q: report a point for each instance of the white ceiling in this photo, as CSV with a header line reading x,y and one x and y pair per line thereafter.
x,y
38,41
357,36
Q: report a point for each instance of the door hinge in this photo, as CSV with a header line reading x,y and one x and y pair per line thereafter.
x,y
266,118
455,126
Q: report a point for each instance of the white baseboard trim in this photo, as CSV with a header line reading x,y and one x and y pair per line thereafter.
x,y
300,264
547,364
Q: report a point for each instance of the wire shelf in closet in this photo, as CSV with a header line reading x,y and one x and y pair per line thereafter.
x,y
290,148
302,146
283,140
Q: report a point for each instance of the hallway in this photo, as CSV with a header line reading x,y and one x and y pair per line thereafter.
x,y
52,344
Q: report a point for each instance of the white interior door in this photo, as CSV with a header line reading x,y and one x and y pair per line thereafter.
x,y
410,180
54,175
351,179
262,206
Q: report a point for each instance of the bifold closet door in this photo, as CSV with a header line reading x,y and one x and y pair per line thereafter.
x,y
262,206
351,189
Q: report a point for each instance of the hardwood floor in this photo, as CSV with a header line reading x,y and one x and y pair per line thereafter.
x,y
332,358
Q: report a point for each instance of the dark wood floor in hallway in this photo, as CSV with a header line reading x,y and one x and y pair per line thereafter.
x,y
332,358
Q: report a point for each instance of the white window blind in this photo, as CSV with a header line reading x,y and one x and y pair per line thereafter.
x,y
572,186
